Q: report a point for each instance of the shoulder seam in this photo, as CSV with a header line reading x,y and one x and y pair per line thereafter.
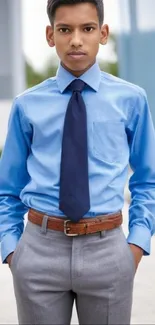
x,y
32,89
139,89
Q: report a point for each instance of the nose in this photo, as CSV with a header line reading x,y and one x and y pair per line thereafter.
x,y
76,39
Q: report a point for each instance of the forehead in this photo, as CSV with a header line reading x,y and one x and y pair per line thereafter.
x,y
77,14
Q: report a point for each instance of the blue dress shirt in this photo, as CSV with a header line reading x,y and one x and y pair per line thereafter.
x,y
120,130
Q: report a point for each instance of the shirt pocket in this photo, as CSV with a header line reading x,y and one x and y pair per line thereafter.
x,y
109,141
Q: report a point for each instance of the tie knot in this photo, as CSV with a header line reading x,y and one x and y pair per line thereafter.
x,y
77,85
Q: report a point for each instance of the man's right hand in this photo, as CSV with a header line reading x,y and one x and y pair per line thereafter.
x,y
9,257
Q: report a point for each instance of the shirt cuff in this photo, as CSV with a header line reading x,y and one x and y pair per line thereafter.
x,y
140,236
8,245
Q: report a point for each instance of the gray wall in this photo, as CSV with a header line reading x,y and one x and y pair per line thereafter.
x,y
136,45
137,62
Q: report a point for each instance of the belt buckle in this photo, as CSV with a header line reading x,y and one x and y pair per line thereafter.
x,y
67,228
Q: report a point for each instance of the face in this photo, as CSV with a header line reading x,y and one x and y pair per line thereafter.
x,y
76,34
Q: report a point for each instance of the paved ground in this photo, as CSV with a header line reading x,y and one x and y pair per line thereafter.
x,y
144,291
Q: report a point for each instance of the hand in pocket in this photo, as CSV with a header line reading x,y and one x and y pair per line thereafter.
x,y
137,253
9,258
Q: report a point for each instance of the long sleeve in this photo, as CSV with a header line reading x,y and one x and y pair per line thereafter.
x,y
142,183
13,177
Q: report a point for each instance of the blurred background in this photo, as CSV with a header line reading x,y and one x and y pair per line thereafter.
x,y
26,60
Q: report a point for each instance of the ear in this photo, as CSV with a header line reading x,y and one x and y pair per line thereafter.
x,y
104,34
50,36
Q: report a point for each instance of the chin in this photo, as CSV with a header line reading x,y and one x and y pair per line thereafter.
x,y
77,68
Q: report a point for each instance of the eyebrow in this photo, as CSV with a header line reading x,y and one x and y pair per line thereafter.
x,y
83,25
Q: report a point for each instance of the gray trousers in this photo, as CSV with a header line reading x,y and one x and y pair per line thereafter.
x,y
51,270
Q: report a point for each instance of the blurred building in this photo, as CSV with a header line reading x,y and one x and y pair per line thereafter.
x,y
12,76
136,45
12,71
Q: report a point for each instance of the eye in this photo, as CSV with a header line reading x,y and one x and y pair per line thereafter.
x,y
89,29
64,30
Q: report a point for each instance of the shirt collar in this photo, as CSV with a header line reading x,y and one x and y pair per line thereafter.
x,y
91,77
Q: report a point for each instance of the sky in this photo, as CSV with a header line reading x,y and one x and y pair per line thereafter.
x,y
34,21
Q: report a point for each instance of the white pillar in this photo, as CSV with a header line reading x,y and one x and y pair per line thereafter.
x,y
12,66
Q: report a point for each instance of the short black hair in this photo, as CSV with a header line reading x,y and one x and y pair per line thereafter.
x,y
52,6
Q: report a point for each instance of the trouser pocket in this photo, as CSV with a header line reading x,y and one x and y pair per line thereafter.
x,y
17,253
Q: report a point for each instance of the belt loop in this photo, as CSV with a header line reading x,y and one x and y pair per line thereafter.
x,y
43,228
102,233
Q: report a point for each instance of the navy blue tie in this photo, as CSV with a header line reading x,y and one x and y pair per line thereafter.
x,y
74,183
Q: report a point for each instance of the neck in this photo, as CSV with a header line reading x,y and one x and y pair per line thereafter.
x,y
77,73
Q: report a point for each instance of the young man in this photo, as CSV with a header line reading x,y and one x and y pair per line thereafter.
x,y
65,162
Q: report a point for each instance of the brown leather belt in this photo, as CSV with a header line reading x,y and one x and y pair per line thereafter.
x,y
83,227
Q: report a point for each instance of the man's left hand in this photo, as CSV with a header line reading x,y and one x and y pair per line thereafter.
x,y
137,253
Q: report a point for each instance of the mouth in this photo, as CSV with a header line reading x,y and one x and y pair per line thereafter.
x,y
77,55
